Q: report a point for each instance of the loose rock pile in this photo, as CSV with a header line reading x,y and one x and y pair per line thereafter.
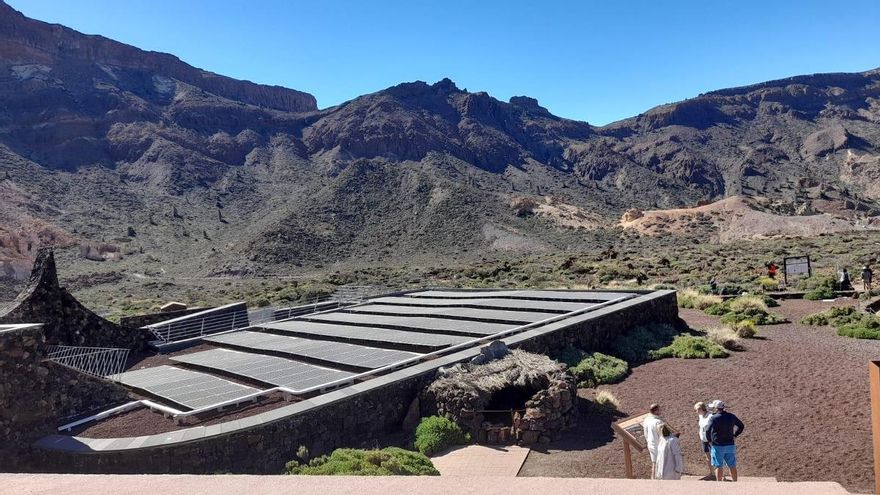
x,y
465,390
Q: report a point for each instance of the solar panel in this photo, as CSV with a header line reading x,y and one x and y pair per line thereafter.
x,y
378,336
537,295
473,328
269,369
493,303
185,387
489,315
324,350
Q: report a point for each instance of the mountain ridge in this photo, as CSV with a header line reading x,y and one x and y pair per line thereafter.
x,y
154,165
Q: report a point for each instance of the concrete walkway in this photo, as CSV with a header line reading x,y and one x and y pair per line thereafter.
x,y
71,484
481,460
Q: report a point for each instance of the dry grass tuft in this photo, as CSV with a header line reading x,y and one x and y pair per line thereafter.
x,y
690,298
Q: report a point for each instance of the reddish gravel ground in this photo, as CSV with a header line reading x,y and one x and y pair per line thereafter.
x,y
801,391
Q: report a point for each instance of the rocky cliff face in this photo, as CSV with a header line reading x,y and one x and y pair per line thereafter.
x,y
174,169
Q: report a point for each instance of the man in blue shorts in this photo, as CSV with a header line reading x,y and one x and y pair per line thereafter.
x,y
722,431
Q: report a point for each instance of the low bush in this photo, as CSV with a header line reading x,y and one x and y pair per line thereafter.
x,y
768,284
636,346
745,329
391,461
770,302
868,327
726,337
690,347
597,369
607,400
690,298
819,293
834,316
746,304
437,433
716,310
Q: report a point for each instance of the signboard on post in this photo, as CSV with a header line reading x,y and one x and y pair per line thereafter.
x,y
796,266
630,429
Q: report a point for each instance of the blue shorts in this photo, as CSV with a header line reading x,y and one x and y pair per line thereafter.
x,y
723,454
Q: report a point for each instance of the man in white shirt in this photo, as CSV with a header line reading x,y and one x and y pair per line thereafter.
x,y
651,429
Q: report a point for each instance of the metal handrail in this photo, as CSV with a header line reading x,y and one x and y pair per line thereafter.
x,y
180,415
95,361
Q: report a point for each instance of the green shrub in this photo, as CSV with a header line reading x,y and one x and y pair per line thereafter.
x,y
866,328
835,316
716,310
820,293
690,298
607,400
636,346
770,302
745,329
768,284
597,369
391,461
437,433
726,337
691,347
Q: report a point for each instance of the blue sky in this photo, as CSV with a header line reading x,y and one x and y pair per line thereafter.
x,y
587,60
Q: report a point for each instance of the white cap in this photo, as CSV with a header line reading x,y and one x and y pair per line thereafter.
x,y
716,404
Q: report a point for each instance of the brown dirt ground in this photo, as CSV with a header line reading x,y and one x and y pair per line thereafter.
x,y
801,391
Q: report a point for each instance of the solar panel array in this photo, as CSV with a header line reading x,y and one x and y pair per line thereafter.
x,y
325,350
267,369
382,332
185,387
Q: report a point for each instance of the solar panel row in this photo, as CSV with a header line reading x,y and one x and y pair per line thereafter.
x,y
366,334
268,369
185,387
536,295
424,324
486,315
489,303
324,350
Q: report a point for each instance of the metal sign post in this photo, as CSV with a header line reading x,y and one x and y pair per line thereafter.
x,y
796,265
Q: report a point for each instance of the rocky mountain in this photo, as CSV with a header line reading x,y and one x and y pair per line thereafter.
x,y
137,159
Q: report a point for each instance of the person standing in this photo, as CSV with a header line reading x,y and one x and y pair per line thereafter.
x,y
651,429
670,463
845,282
771,269
703,416
867,278
722,431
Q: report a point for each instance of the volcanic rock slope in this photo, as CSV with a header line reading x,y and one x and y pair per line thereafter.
x,y
136,156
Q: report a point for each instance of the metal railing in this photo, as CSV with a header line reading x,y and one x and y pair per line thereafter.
x,y
358,293
96,361
208,322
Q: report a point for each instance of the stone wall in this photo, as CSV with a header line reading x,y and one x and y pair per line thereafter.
x,y
597,333
37,395
65,320
359,421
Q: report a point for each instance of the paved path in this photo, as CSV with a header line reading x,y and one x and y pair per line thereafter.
x,y
71,484
481,460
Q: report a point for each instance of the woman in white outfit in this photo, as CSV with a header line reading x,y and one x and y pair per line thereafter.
x,y
670,463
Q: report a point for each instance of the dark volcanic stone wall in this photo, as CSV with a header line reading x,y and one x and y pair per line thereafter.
x,y
36,395
65,320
